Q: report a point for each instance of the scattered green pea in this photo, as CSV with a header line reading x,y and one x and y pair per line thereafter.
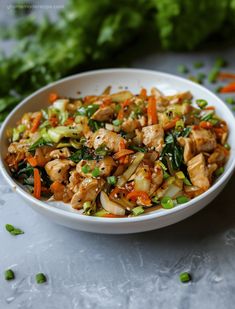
x,y
182,199
185,277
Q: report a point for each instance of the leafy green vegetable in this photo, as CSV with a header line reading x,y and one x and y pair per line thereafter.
x,y
39,143
12,230
82,154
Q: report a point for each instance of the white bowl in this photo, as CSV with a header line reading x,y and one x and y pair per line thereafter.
x,y
94,83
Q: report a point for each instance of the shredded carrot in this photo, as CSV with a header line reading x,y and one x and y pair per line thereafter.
x,y
206,125
69,121
32,161
143,93
152,111
122,145
171,124
56,186
121,153
120,115
114,192
209,108
37,183
143,196
229,88
226,75
36,122
53,121
53,96
112,216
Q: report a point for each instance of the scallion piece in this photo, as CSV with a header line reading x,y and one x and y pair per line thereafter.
x,y
213,74
117,122
185,277
220,63
230,100
95,172
40,278
213,121
201,103
227,146
167,202
12,230
166,175
207,116
9,274
182,69
85,169
187,182
136,211
198,64
155,200
219,171
180,175
112,180
182,199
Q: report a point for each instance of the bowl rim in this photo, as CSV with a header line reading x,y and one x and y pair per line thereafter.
x,y
99,220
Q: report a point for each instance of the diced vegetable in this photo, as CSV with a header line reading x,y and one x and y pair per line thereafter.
x,y
17,131
219,171
185,277
112,180
110,206
201,103
40,278
182,199
61,104
167,202
121,96
56,134
136,211
9,274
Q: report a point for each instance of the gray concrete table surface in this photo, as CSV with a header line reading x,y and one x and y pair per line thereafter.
x,y
136,271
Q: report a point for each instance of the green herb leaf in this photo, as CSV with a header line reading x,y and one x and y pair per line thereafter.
x,y
12,230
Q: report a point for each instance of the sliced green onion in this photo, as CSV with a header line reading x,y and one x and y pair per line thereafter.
x,y
230,100
201,103
213,74
182,69
182,199
95,172
12,230
163,166
166,175
40,278
180,175
112,180
137,148
187,182
101,151
9,274
137,211
219,171
207,116
179,124
213,121
198,64
167,202
117,108
220,63
117,122
227,146
185,277
156,200
85,169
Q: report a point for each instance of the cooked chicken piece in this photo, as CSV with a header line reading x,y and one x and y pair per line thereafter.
x,y
105,166
61,153
153,137
188,145
42,155
204,140
142,178
108,138
21,146
211,169
180,97
143,121
58,169
156,179
130,125
103,113
198,172
218,156
87,191
74,181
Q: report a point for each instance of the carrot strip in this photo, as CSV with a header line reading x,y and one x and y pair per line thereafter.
x,y
229,88
69,121
143,93
209,108
206,125
144,197
36,122
53,121
56,186
121,153
152,111
53,97
37,183
112,216
226,75
32,161
171,124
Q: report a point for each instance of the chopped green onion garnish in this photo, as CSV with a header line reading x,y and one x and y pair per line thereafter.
x,y
213,121
227,146
220,63
180,175
185,277
207,116
155,200
219,171
136,211
101,151
40,278
201,76
137,148
166,175
213,74
201,103
9,274
198,64
179,124
167,202
217,89
187,182
85,169
95,172
195,79
112,180
182,199
117,108
12,230
182,69
163,166
230,100
117,122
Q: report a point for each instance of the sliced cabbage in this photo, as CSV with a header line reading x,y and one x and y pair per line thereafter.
x,y
61,104
56,134
110,206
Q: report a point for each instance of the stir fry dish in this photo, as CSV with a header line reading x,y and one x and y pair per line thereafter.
x,y
119,154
